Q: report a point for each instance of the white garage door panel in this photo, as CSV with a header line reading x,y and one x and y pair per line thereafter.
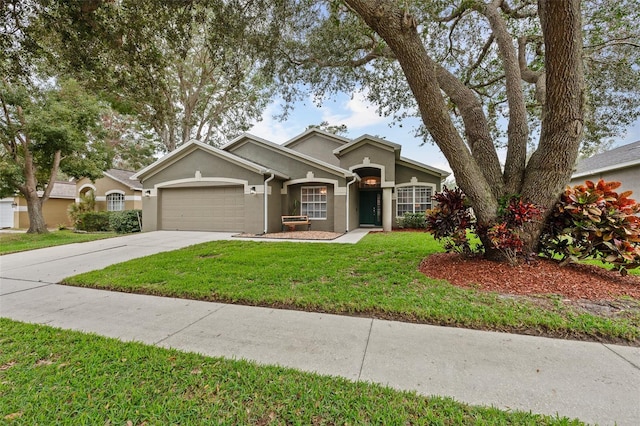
x,y
203,209
6,214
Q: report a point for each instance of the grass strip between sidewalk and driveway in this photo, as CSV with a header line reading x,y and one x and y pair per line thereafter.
x,y
13,242
377,277
52,376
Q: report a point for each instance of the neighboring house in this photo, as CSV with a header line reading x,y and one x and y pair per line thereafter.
x,y
620,164
248,184
14,212
114,191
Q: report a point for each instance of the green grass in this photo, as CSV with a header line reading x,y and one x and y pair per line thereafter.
x,y
50,376
378,276
15,242
608,266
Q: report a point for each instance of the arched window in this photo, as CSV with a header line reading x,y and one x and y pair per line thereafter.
x,y
115,202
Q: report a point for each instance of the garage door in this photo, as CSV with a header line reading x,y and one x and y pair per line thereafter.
x,y
6,214
203,209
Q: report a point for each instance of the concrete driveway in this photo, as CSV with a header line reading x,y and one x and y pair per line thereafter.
x,y
53,264
595,382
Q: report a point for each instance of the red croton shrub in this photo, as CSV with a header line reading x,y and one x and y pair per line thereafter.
x,y
505,235
451,220
594,221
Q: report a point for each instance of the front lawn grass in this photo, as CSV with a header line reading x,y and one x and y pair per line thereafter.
x,y
51,376
21,241
377,277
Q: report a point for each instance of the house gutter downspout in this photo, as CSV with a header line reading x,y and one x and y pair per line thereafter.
x,y
355,178
266,200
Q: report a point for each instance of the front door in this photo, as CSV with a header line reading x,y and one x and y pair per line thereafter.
x,y
371,208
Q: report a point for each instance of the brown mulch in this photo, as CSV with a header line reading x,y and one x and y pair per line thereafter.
x,y
573,281
295,235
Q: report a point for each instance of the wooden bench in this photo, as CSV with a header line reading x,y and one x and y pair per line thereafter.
x,y
292,221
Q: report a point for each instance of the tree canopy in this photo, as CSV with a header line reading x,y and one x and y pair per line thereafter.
x,y
339,52
185,69
538,78
45,132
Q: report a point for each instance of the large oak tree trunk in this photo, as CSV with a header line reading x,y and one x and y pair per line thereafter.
x,y
37,223
550,167
399,30
29,190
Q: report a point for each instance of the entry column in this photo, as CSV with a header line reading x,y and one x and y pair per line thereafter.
x,y
387,214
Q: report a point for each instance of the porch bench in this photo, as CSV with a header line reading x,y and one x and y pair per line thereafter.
x,y
292,221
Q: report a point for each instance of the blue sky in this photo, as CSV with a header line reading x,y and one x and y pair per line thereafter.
x,y
360,117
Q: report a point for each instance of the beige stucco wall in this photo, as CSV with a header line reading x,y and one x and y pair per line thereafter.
x,y
104,185
354,203
208,165
275,207
149,214
54,211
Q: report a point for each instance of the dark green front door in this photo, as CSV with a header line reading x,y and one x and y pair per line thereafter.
x,y
371,208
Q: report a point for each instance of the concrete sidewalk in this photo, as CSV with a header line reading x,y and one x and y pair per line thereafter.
x,y
593,382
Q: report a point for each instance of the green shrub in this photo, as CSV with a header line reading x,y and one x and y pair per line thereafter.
x,y
126,221
594,221
412,221
93,222
86,204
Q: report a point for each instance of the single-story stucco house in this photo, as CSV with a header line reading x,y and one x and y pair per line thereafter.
x,y
114,191
14,212
620,164
250,183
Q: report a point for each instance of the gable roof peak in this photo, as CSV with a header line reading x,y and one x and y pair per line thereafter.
x,y
287,151
315,130
365,139
194,144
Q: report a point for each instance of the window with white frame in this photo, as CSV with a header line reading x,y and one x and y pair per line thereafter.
x,y
313,202
115,202
413,199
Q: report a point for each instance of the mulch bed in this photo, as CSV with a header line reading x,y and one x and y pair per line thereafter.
x,y
295,235
573,281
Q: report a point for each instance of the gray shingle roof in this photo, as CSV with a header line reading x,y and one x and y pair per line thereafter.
x,y
610,159
62,189
123,176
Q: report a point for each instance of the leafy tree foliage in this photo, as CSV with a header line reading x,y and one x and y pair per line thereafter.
x,y
44,132
525,75
336,129
185,69
133,145
336,51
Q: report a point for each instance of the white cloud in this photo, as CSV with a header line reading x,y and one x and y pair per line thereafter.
x,y
270,128
356,113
